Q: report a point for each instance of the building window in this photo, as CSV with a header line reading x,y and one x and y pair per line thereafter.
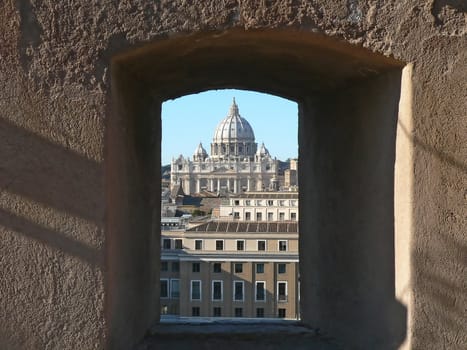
x,y
238,290
175,288
259,312
247,202
166,243
259,216
240,245
281,313
282,291
261,245
247,216
219,244
260,268
259,203
238,268
293,216
281,216
196,267
260,291
195,311
236,215
238,312
281,203
178,244
216,311
236,202
195,290
175,266
164,266
198,244
270,203
217,290
164,288
270,216
216,268
283,246
281,268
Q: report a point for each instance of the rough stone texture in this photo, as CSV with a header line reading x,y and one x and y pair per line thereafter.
x,y
351,235
215,334
75,258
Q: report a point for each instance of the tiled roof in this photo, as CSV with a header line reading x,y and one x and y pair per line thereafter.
x,y
246,226
267,195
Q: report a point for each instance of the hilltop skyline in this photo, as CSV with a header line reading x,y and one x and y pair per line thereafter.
x,y
192,119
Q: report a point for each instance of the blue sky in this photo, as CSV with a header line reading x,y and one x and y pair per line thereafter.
x,y
193,118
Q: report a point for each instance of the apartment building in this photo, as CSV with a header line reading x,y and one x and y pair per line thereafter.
x,y
231,269
260,206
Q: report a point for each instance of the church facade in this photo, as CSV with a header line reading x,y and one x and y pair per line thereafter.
x,y
235,165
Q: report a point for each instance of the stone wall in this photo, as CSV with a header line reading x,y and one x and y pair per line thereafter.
x,y
81,87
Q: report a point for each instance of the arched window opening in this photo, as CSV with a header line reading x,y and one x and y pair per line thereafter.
x,y
219,196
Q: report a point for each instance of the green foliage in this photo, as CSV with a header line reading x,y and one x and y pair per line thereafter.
x,y
198,212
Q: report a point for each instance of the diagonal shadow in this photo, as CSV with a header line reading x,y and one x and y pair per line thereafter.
x,y
47,173
52,238
439,154
36,169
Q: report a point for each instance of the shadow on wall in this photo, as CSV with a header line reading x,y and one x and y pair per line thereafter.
x,y
52,183
440,282
52,238
440,155
445,9
349,191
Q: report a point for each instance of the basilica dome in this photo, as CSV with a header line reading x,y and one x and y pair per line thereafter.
x,y
233,128
233,138
234,165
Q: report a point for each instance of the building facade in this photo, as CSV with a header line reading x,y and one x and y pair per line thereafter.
x,y
231,269
260,206
236,164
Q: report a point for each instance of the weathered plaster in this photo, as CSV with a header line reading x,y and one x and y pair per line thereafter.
x,y
55,105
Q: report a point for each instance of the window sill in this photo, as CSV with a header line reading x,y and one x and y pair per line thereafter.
x,y
266,333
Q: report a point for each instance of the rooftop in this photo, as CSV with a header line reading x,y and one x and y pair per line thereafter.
x,y
267,195
247,226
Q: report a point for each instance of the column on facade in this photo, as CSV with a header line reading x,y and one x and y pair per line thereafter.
x,y
248,185
186,186
211,185
218,185
235,185
228,184
259,184
198,185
